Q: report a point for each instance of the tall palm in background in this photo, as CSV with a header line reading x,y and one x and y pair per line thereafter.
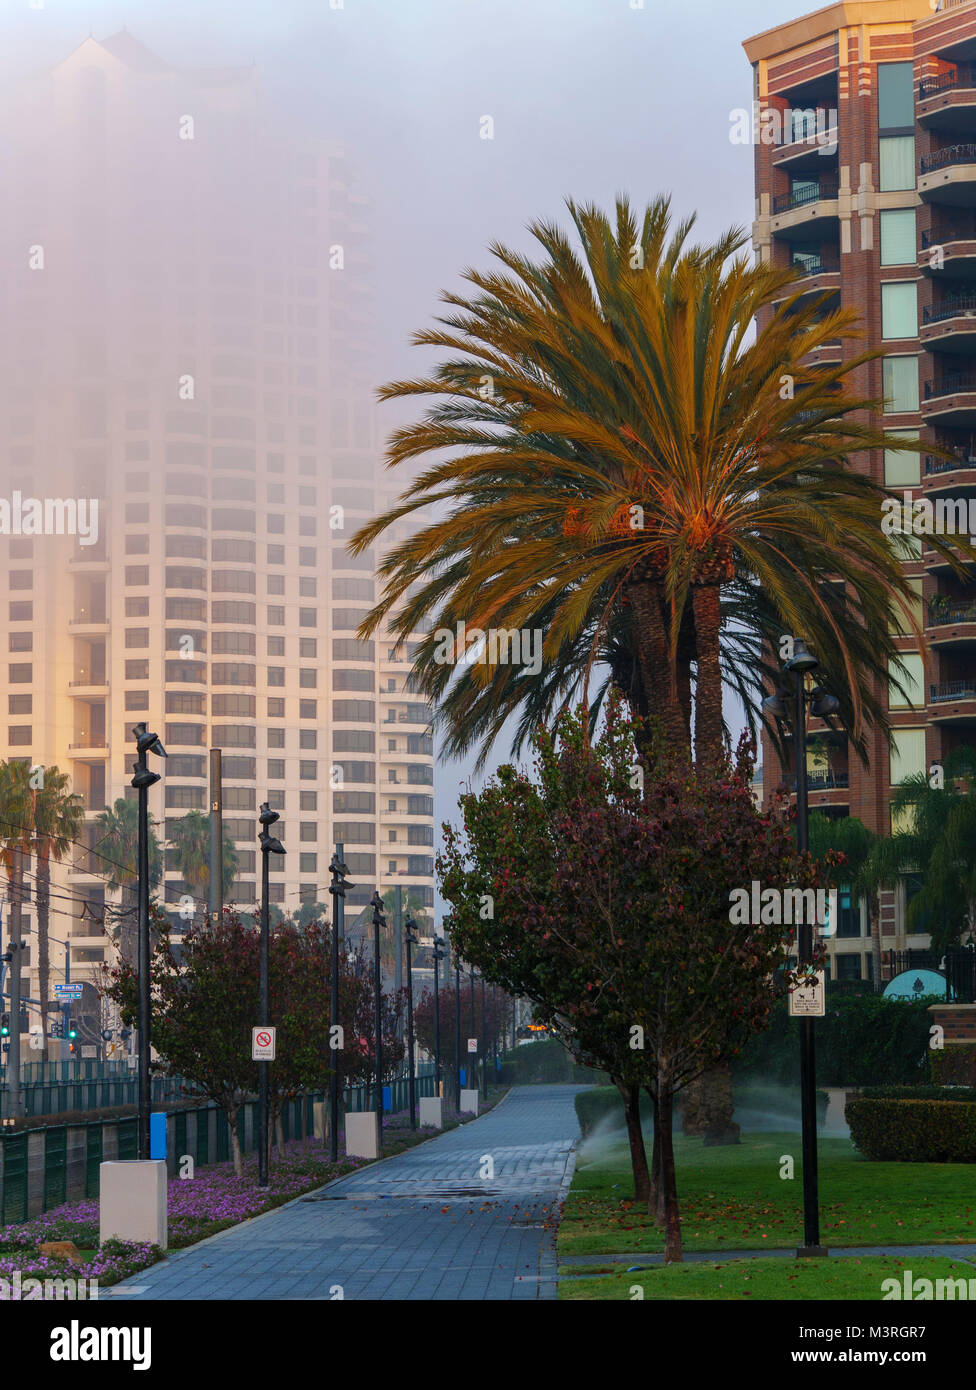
x,y
630,475
16,831
117,842
57,816
190,842
856,858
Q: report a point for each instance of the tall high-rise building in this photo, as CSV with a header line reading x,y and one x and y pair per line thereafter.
x,y
865,129
185,337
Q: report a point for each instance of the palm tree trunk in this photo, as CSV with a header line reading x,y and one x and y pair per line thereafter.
x,y
43,939
874,911
709,730
657,671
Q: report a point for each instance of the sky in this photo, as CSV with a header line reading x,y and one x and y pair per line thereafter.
x,y
588,98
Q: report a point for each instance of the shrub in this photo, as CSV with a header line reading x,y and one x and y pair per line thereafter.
x,y
863,1039
913,1131
953,1066
542,1062
964,1093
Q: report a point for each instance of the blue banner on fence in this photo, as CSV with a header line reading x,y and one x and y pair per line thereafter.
x,y
387,1098
464,1076
157,1134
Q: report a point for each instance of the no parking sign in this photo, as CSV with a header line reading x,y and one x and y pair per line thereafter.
x,y
262,1044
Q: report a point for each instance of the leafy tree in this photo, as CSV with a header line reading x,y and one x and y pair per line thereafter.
x,y
610,909
617,461
497,1010
854,856
118,847
57,816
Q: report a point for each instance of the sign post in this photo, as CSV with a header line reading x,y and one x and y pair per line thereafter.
x,y
263,1044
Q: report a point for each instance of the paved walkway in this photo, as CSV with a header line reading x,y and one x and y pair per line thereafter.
x,y
468,1215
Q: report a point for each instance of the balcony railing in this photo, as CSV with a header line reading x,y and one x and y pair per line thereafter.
x,y
943,612
961,78
952,690
808,192
963,459
939,236
964,153
951,307
820,781
88,743
950,384
823,265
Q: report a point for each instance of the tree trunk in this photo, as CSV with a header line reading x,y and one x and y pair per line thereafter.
x,y
874,912
669,1188
657,671
44,941
655,1198
235,1139
709,730
635,1137
279,1131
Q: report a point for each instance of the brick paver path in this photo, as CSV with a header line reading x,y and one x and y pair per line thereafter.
x,y
437,1222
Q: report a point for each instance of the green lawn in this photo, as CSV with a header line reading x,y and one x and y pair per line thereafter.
x,y
733,1198
784,1279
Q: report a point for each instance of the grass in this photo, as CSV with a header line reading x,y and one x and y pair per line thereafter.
x,y
781,1279
733,1198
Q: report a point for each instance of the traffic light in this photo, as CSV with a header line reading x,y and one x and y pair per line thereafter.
x,y
72,1032
5,1026
125,1034
72,1047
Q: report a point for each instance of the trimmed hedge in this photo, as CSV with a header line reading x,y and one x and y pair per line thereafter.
x,y
953,1066
546,1062
863,1039
963,1093
913,1131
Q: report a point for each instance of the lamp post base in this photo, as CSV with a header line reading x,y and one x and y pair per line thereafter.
x,y
812,1252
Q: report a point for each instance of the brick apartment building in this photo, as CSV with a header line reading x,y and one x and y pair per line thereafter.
x,y
865,168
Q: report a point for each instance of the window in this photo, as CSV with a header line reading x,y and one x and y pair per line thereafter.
x,y
137,699
276,583
183,577
276,524
420,805
902,468
137,670
136,576
307,863
421,776
363,864
192,610
276,646
420,834
21,579
307,771
276,769
233,582
357,588
137,545
276,738
912,679
233,490
896,163
234,735
276,492
276,615
137,608
901,622
308,801
184,701
307,709
308,831
233,550
307,587
188,798
239,798
353,741
276,707
21,611
232,611
232,706
308,738
900,384
184,765
362,803
20,642
232,673
848,965
186,514
353,711
232,519
907,755
276,554
276,675
896,96
308,648
899,309
137,637
307,617
354,833
20,704
307,554
233,643
238,768
19,735
343,679
348,619
350,649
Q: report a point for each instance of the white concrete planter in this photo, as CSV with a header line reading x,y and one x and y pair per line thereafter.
x,y
469,1102
362,1134
431,1108
132,1201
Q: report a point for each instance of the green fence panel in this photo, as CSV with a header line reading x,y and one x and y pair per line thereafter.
x,y
180,1135
13,1194
223,1138
55,1166
93,1159
128,1132
203,1137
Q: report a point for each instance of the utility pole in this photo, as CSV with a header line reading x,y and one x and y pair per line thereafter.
x,y
398,947
16,961
216,903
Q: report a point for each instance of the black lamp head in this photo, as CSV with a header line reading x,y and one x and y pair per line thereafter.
x,y
801,661
147,741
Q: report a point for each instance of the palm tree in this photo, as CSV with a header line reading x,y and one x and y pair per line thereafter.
x,y
865,868
118,849
626,473
190,842
57,816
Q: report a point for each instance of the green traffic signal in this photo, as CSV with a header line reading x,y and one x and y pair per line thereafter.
x,y
5,1026
72,1031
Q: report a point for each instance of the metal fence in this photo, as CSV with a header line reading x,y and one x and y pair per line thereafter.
x,y
42,1168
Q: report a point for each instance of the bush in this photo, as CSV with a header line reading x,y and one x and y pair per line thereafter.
x,y
913,1131
604,1105
863,1039
545,1062
963,1093
953,1066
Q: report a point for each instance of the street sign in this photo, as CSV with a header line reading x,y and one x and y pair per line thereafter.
x,y
65,992
36,1040
89,1050
472,1044
262,1044
808,999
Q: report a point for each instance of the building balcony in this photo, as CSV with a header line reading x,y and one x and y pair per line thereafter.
x,y
953,702
88,748
948,175
948,101
815,153
90,559
89,625
806,209
87,686
956,248
821,781
950,326
951,622
951,399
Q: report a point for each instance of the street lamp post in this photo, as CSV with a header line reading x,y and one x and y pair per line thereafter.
x,y
142,779
270,844
410,937
484,1039
438,957
822,705
338,870
379,922
457,1028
